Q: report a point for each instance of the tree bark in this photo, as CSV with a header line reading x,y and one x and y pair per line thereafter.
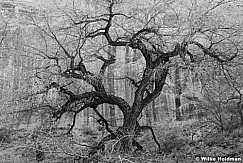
x,y
126,132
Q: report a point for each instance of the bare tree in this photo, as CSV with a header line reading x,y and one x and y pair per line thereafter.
x,y
173,34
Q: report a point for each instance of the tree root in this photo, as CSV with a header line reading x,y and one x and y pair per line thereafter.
x,y
101,144
136,144
113,136
120,134
139,129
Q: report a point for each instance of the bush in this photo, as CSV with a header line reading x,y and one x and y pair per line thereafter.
x,y
173,142
224,116
4,135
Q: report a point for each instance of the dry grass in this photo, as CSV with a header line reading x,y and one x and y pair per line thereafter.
x,y
177,146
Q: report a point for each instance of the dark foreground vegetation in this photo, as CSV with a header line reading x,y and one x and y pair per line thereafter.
x,y
183,141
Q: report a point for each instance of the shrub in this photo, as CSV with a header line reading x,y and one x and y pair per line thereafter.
x,y
173,142
4,135
220,139
224,116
